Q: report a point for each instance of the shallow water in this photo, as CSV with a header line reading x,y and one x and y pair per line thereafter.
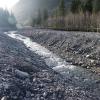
x,y
77,74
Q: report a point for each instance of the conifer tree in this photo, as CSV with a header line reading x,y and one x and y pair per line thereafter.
x,y
88,7
62,14
62,8
45,14
76,6
44,17
7,19
97,6
39,18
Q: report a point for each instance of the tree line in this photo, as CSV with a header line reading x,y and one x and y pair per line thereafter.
x,y
90,6
7,19
82,15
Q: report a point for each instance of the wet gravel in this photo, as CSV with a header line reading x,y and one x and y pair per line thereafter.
x,y
25,76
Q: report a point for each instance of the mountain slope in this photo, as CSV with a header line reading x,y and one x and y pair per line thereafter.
x,y
25,9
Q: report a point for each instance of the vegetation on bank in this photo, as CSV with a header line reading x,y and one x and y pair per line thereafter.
x,y
7,19
82,15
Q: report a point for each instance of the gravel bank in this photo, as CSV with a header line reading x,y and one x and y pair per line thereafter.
x,y
25,76
78,48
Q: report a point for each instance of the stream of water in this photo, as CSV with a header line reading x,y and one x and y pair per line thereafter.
x,y
77,74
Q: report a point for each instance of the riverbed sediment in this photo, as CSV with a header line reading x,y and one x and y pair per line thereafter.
x,y
78,48
81,79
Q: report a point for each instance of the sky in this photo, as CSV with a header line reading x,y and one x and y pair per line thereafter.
x,y
8,3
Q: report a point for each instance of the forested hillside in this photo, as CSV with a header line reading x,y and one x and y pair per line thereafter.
x,y
24,10
59,14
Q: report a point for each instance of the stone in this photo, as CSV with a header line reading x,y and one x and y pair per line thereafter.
x,y
21,74
4,98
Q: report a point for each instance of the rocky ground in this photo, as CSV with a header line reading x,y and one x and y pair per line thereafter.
x,y
79,48
25,76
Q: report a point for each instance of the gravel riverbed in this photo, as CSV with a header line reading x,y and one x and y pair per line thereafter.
x,y
78,48
24,75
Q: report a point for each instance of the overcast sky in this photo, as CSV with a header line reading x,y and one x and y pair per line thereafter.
x,y
8,3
